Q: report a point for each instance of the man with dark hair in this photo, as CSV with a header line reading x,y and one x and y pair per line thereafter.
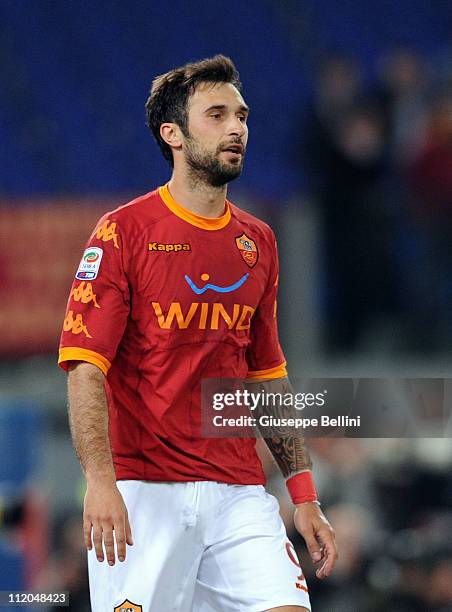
x,y
171,91
177,286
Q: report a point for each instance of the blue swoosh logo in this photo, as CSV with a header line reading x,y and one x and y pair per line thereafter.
x,y
216,288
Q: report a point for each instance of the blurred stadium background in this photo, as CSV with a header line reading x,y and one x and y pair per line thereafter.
x,y
350,160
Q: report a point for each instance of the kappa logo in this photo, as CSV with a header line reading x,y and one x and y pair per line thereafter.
x,y
75,324
107,231
128,606
301,587
248,250
176,247
84,293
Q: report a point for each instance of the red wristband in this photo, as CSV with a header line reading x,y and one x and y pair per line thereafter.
x,y
301,488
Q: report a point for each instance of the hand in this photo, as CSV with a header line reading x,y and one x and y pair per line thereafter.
x,y
319,537
104,513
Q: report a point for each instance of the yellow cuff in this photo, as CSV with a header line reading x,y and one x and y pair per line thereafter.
x,y
277,372
80,354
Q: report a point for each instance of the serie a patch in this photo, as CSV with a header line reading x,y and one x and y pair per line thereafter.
x,y
89,264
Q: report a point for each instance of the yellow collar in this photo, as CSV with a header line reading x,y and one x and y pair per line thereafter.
x,y
207,223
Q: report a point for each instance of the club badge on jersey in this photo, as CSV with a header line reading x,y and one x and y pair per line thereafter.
x,y
248,250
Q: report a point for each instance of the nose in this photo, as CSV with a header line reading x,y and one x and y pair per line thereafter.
x,y
236,127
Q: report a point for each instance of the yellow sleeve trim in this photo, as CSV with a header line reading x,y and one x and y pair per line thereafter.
x,y
277,372
81,354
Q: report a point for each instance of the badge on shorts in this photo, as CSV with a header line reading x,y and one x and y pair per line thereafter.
x,y
128,606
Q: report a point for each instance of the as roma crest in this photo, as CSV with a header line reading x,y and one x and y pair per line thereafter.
x,y
248,250
128,606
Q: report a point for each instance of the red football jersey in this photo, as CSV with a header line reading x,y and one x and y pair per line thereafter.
x,y
162,299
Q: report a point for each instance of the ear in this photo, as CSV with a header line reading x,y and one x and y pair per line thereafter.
x,y
171,134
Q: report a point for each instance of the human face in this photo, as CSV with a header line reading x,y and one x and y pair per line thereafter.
x,y
217,133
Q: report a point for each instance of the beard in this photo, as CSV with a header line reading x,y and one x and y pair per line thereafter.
x,y
207,167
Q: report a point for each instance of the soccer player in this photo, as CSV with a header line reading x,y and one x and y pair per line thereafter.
x,y
177,286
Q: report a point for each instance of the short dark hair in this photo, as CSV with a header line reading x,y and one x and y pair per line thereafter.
x,y
171,91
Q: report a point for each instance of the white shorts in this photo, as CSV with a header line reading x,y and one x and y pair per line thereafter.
x,y
200,547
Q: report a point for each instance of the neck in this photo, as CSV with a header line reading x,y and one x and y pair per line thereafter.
x,y
197,196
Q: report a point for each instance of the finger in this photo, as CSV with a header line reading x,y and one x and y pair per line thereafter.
x,y
312,545
325,570
330,554
97,541
120,537
87,534
320,573
323,552
129,537
330,560
109,543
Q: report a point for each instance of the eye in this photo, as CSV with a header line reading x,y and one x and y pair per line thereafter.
x,y
242,118
216,115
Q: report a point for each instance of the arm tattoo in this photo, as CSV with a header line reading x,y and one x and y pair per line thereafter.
x,y
288,448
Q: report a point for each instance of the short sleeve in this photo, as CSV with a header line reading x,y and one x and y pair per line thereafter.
x,y
99,301
264,356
